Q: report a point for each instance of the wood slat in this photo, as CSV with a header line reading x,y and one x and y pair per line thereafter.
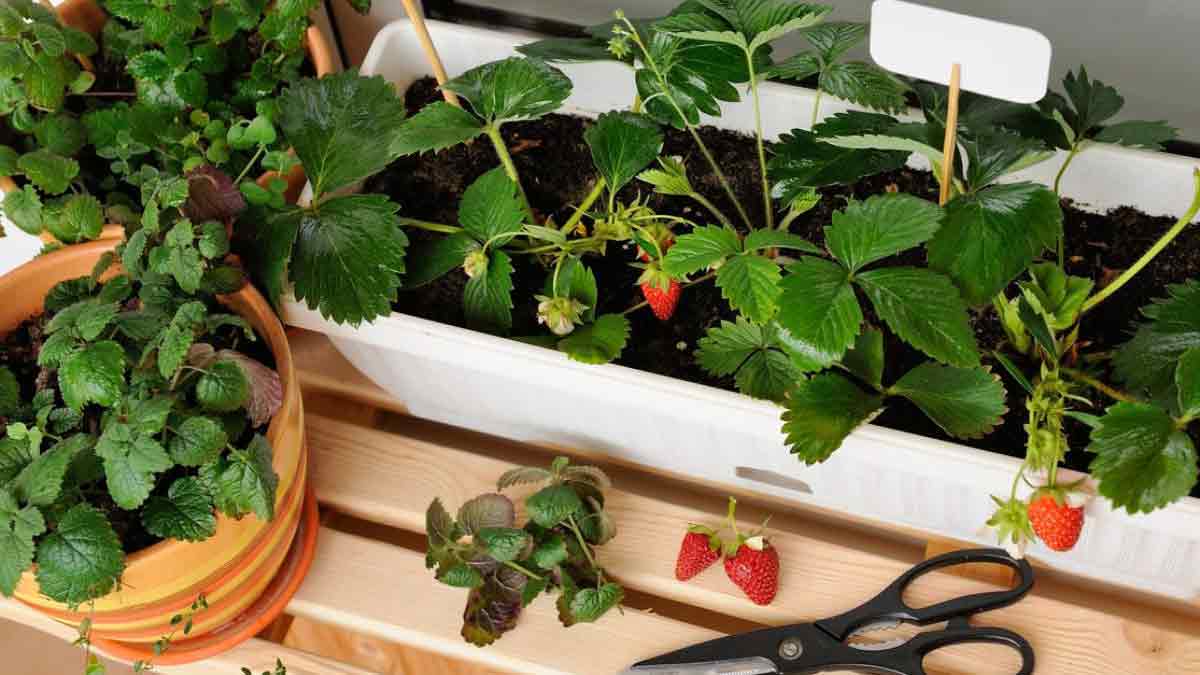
x,y
257,655
382,590
391,478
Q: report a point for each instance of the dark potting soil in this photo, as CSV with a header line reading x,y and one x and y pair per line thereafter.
x,y
556,168
19,351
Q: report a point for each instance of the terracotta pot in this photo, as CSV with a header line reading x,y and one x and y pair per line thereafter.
x,y
235,567
87,16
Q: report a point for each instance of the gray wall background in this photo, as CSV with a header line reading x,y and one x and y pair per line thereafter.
x,y
1148,49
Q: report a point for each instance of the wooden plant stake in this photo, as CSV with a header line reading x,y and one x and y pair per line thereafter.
x,y
431,53
951,140
999,60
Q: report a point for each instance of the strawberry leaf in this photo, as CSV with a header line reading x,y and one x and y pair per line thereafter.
x,y
700,248
866,84
753,355
1138,134
922,307
865,359
1143,462
487,298
491,208
964,402
622,144
751,285
802,161
818,307
598,342
512,89
821,412
348,257
881,226
989,237
436,127
1148,362
342,127
1187,381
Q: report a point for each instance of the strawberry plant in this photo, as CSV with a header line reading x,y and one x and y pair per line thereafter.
x,y
506,568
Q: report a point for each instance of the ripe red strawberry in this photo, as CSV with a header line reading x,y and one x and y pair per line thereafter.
x,y
1057,523
755,570
662,302
698,551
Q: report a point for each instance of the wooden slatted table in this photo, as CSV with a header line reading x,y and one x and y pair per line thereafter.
x,y
376,470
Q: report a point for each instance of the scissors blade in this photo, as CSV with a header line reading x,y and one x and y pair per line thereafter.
x,y
759,652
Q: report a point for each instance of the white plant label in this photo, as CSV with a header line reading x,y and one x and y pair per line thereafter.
x,y
997,59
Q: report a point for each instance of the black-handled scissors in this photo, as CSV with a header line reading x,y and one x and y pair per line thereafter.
x,y
821,645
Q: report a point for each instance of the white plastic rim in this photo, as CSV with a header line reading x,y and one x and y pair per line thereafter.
x,y
530,394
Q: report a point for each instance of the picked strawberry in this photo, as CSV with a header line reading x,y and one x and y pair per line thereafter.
x,y
701,547
755,569
1055,520
660,290
751,563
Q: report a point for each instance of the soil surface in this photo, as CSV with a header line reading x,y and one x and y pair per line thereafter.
x,y
557,171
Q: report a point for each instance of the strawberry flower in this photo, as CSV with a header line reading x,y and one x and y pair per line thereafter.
x,y
560,315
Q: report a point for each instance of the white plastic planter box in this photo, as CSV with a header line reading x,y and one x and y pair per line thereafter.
x,y
537,395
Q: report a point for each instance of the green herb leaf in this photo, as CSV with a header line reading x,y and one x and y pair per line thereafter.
x,y
881,226
198,441
94,374
223,387
343,128
487,298
24,208
40,482
753,355
700,248
149,416
486,511
18,527
46,80
177,338
348,258
964,402
1143,462
751,285
550,552
186,513
132,462
503,543
598,342
460,575
10,392
247,483
436,127
50,172
552,504
491,208
511,89
989,237
819,308
589,604
1148,362
62,134
622,144
81,219
81,559
821,412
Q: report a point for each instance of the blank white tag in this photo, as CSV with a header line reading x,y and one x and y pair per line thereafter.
x,y
998,59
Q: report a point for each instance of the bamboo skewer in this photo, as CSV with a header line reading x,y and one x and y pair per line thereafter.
x,y
951,140
439,70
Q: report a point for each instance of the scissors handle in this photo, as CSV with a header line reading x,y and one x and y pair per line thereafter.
x,y
890,605
959,632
